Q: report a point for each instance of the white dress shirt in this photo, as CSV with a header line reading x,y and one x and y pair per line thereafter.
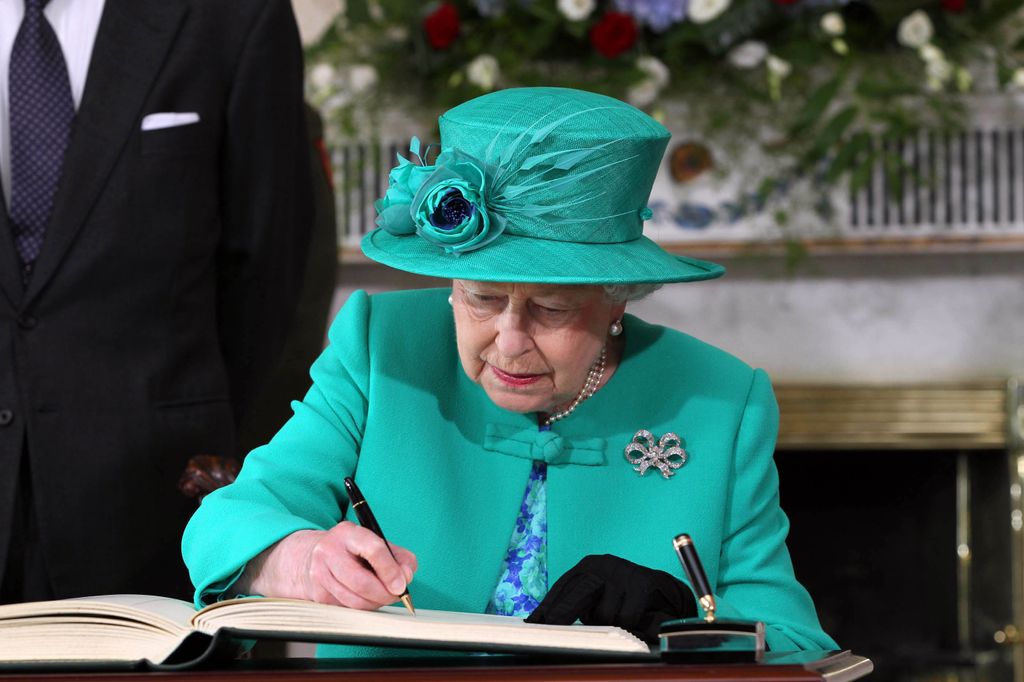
x,y
75,22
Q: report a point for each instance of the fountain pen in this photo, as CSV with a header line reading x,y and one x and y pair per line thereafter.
x,y
688,557
368,520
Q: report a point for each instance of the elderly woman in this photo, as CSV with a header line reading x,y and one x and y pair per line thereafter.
x,y
519,427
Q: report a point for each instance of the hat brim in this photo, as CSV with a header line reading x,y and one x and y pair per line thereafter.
x,y
511,258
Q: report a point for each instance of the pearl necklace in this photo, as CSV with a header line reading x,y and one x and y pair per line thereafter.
x,y
590,386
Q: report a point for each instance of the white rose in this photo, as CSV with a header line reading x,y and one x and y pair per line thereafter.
x,y
654,69
832,24
930,53
939,69
1017,79
576,10
778,67
915,30
483,72
703,11
322,76
314,17
361,78
643,93
748,55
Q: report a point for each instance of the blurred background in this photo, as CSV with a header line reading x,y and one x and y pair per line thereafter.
x,y
858,167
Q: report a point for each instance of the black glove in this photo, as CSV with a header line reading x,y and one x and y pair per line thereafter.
x,y
608,590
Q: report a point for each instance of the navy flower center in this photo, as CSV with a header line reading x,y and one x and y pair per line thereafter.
x,y
451,211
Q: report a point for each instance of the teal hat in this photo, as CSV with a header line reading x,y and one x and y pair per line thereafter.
x,y
540,185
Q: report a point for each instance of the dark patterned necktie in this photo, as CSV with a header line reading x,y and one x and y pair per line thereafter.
x,y
42,111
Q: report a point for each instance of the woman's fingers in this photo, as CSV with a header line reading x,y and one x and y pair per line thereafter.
x,y
345,589
333,592
407,560
369,547
352,566
357,576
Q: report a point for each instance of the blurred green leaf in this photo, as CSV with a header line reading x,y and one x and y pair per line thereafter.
x,y
830,134
544,11
816,105
864,168
894,167
847,156
577,29
878,89
996,12
357,11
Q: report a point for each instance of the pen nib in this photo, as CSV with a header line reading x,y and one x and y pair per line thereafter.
x,y
407,600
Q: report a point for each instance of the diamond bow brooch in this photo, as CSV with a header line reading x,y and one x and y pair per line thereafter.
x,y
646,453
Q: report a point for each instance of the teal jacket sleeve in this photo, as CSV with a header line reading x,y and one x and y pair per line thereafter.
x,y
278,493
755,569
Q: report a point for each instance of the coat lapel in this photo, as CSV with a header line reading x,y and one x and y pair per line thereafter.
x,y
131,43
10,264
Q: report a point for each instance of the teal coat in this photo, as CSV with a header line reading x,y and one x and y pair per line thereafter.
x,y
445,468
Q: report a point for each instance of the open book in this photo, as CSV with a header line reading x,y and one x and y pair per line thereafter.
x,y
162,632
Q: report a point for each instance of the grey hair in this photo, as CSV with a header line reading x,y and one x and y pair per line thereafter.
x,y
628,292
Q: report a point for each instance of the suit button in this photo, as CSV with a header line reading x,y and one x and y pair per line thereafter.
x,y
26,321
6,417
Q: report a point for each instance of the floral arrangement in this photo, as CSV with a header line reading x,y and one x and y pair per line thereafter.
x,y
809,82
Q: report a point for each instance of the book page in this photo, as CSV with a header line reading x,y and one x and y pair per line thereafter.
x,y
81,640
392,625
171,615
121,627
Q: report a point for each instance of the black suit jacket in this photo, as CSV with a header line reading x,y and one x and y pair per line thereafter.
x,y
164,286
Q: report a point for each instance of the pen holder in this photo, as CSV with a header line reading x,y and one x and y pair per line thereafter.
x,y
723,640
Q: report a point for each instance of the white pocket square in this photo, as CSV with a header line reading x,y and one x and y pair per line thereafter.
x,y
169,119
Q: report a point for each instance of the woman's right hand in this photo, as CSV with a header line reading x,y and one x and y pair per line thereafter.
x,y
347,565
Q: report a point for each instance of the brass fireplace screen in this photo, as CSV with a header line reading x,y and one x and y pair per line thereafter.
x,y
976,426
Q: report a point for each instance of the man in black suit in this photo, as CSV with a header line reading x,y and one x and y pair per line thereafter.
x,y
162,288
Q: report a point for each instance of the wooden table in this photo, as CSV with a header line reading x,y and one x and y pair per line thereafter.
x,y
839,668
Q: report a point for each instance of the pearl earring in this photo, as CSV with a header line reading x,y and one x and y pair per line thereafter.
x,y
449,299
616,328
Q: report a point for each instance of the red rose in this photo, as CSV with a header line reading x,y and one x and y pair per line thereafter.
x,y
614,34
442,26
954,5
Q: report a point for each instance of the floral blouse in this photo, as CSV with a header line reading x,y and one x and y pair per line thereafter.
x,y
524,576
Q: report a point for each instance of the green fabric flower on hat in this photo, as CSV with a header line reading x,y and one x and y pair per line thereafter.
x,y
443,203
450,208
404,181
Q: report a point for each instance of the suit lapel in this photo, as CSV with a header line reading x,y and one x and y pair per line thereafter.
x,y
131,43
10,264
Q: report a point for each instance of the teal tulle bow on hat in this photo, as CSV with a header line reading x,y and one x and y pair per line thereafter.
x,y
531,185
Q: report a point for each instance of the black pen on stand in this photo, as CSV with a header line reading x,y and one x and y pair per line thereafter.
x,y
710,637
687,552
368,521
